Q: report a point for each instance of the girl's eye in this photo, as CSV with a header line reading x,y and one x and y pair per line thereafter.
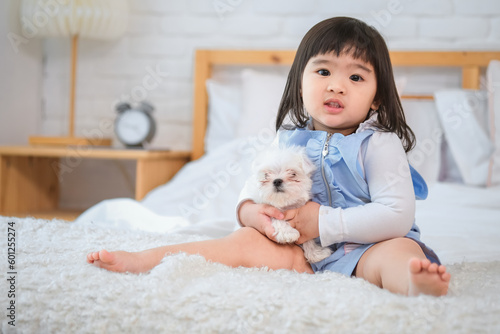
x,y
324,73
355,77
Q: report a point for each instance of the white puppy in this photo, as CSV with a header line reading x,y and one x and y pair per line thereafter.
x,y
282,178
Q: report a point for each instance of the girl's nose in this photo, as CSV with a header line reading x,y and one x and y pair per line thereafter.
x,y
336,86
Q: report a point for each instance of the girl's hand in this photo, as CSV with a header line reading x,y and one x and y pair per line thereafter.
x,y
305,220
259,217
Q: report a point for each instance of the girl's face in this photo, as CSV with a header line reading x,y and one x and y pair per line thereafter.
x,y
338,92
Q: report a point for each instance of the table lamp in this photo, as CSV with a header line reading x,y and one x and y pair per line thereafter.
x,y
94,19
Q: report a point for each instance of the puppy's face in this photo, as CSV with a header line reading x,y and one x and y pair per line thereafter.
x,y
284,177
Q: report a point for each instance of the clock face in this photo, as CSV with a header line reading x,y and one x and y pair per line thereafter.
x,y
133,127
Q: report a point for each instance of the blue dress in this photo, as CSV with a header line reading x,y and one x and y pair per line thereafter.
x,y
338,182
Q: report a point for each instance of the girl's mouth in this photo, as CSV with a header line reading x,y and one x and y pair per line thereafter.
x,y
333,105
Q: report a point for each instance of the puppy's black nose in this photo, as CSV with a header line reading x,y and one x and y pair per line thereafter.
x,y
277,182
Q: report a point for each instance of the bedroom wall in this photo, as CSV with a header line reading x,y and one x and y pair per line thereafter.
x,y
159,46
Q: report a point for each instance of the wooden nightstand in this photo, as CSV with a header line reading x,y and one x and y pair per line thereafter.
x,y
30,175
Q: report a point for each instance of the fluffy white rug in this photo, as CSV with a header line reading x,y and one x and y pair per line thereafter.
x,y
58,292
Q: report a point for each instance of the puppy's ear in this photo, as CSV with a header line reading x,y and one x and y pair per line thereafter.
x,y
308,165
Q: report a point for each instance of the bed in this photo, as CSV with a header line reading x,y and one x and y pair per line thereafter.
x,y
53,289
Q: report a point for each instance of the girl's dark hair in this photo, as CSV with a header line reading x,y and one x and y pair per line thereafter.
x,y
354,37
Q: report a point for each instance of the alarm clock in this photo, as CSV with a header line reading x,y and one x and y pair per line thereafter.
x,y
135,127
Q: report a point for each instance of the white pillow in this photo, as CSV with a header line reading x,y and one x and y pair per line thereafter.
x,y
463,116
448,169
261,96
422,118
224,109
493,85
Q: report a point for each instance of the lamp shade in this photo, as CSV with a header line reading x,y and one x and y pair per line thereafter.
x,y
93,19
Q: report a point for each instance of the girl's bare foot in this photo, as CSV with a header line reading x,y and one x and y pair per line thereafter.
x,y
118,261
427,278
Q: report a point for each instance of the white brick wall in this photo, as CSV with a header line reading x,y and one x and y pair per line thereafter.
x,y
284,7
163,34
455,28
477,7
495,27
428,8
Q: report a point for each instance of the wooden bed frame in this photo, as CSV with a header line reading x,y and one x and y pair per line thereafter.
x,y
470,62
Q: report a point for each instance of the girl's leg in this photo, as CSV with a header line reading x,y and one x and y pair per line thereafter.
x,y
399,265
245,247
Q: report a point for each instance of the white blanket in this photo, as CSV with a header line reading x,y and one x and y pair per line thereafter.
x,y
58,292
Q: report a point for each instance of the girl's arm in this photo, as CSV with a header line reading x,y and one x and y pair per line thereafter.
x,y
390,213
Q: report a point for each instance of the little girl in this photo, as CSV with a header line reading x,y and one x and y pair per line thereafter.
x,y
342,99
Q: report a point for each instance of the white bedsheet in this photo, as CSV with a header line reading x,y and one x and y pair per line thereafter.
x,y
461,223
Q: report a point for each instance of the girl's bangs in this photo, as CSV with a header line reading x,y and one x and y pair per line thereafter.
x,y
352,47
341,36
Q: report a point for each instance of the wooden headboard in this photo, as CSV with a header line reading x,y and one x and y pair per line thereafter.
x,y
469,62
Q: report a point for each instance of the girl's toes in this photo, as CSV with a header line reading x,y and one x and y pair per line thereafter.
x,y
425,264
433,268
415,265
106,256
